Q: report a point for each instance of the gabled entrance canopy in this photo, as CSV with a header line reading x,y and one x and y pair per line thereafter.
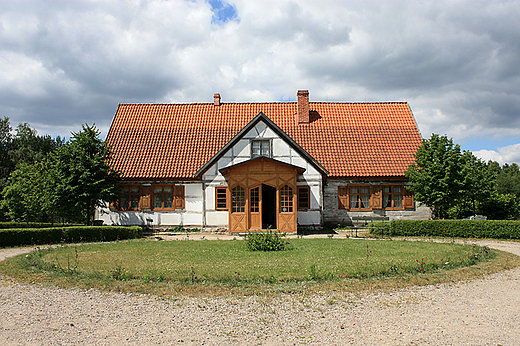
x,y
263,195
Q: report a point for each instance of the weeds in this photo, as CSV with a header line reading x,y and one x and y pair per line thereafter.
x,y
318,276
120,274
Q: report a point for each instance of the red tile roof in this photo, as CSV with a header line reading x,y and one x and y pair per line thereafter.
x,y
173,141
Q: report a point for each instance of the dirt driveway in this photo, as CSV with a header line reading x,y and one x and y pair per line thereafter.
x,y
481,312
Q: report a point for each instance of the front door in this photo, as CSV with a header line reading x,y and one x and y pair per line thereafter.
x,y
263,195
262,207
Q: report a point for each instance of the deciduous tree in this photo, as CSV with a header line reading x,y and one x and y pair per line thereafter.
x,y
86,179
436,174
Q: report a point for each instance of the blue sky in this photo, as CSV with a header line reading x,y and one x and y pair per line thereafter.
x,y
457,63
222,12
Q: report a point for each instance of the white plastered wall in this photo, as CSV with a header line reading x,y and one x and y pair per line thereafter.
x,y
190,216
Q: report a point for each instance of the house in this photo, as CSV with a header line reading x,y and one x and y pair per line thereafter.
x,y
281,165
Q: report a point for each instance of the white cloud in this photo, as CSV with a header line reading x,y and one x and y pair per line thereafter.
x,y
509,154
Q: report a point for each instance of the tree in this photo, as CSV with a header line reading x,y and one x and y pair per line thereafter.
x,y
31,193
436,174
500,207
457,185
5,163
85,176
25,147
508,180
477,185
28,147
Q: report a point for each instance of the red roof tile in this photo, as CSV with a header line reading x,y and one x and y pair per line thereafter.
x,y
173,141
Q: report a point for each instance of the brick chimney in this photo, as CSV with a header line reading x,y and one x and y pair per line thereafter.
x,y
303,107
216,99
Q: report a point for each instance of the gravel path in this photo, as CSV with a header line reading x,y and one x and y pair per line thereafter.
x,y
481,312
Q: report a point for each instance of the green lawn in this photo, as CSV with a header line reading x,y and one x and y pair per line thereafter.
x,y
216,266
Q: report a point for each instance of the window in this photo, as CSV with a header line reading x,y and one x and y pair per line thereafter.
x,y
129,197
255,199
147,196
286,199
359,197
392,197
221,198
354,197
238,197
260,148
303,197
163,197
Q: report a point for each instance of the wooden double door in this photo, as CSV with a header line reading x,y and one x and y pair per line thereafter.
x,y
263,195
263,211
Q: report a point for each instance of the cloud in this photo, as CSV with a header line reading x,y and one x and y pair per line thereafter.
x,y
508,154
456,63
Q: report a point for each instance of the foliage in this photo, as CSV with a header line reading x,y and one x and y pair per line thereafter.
x,y
457,185
26,147
31,194
182,229
494,229
55,179
13,224
436,174
85,176
5,141
29,147
71,234
266,241
500,207
508,180
477,184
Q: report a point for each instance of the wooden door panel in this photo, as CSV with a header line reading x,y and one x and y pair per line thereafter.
x,y
255,215
287,222
237,222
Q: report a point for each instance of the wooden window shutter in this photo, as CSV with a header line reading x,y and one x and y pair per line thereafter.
x,y
179,197
146,197
408,199
342,197
376,197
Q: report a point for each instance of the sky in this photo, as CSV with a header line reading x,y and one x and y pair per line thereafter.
x,y
457,63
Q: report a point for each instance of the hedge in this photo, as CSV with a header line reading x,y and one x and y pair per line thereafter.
x,y
448,228
71,234
10,225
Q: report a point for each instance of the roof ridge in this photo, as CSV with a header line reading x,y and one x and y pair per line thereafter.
x,y
261,102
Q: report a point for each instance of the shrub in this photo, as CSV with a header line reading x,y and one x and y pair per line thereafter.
x,y
73,234
266,241
503,229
